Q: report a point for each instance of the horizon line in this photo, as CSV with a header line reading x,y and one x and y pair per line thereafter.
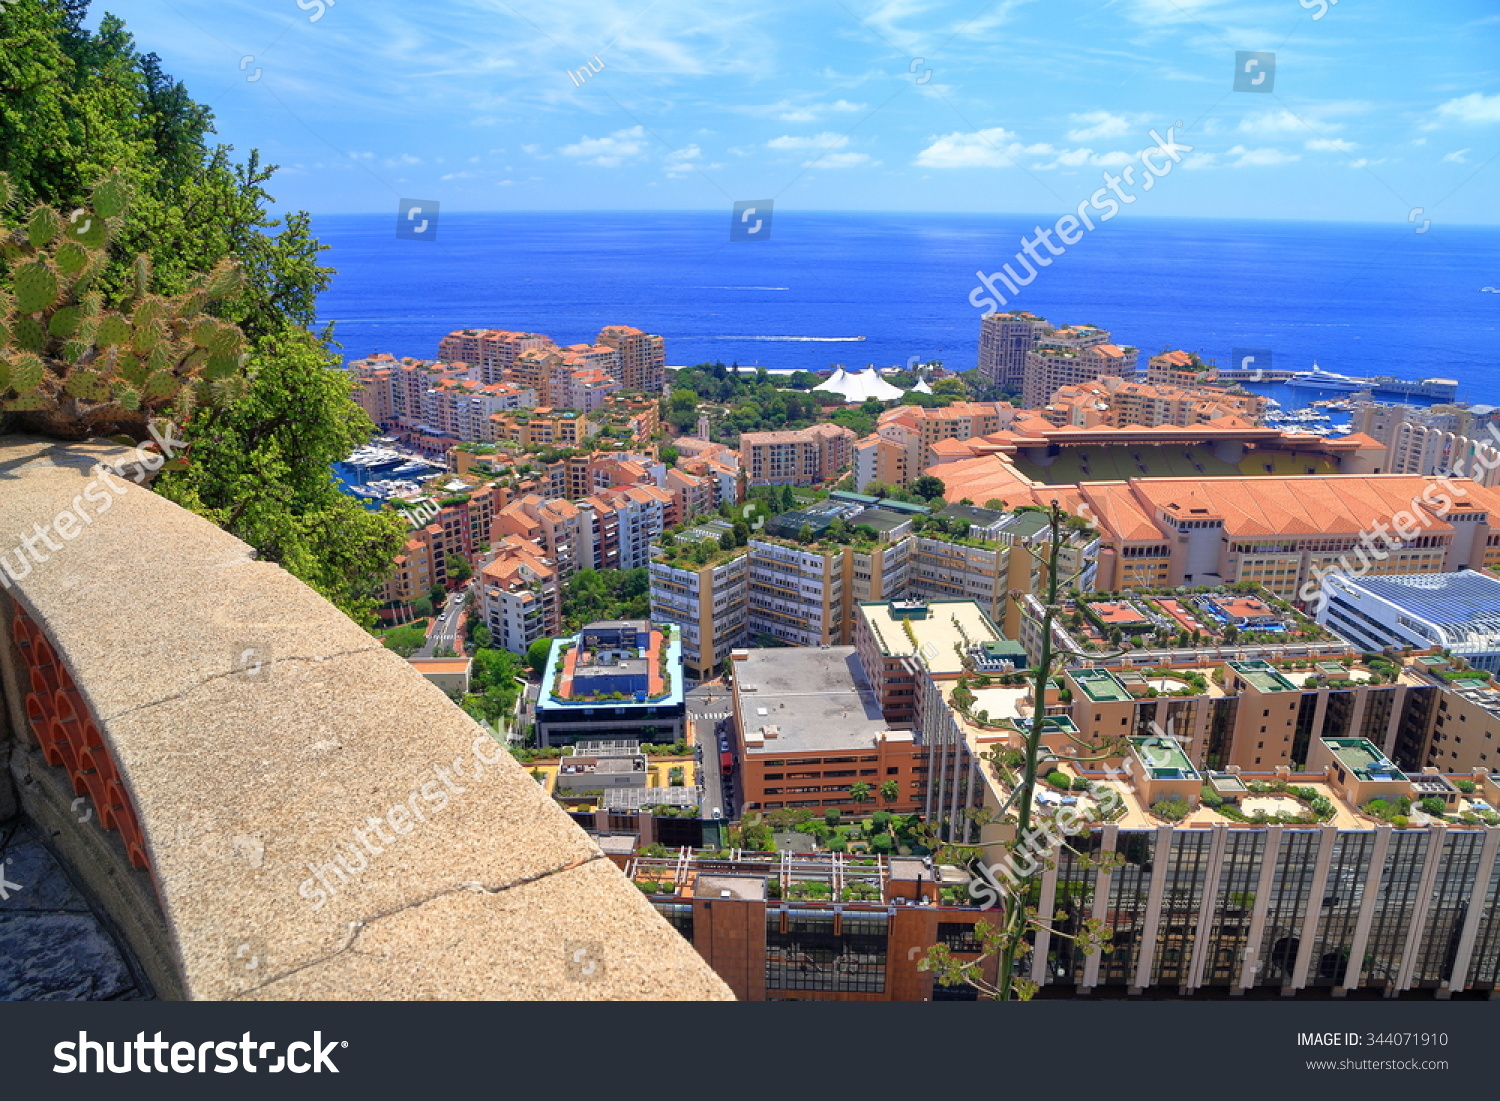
x,y
953,213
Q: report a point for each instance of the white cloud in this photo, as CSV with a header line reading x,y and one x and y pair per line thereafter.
x,y
457,176
1330,145
788,111
681,161
981,149
1093,125
1273,123
1365,162
998,148
616,149
1474,108
825,140
1201,160
843,160
403,159
1456,157
1260,158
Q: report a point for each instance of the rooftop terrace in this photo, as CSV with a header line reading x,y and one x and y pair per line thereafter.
x,y
805,699
1100,685
1361,758
1262,676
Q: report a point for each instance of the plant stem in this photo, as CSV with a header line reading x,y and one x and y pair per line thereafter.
x,y
1016,919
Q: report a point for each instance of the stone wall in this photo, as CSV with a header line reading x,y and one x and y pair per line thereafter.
x,y
315,819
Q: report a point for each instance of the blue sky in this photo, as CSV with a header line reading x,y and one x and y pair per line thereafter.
x,y
1377,108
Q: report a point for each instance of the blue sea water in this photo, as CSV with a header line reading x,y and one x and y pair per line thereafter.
x,y
1358,299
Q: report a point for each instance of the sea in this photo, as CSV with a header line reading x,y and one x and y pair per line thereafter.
x,y
857,289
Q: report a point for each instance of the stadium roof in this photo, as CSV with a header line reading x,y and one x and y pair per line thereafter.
x,y
1460,605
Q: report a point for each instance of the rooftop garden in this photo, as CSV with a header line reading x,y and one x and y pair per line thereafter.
x,y
1187,617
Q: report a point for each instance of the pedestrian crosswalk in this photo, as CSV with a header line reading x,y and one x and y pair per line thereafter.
x,y
711,715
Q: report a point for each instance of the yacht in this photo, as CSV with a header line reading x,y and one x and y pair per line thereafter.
x,y
1319,379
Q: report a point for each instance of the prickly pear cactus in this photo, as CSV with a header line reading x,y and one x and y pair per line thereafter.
x,y
73,367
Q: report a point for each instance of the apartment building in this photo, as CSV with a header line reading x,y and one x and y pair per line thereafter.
x,y
890,635
632,416
882,461
493,352
807,456
586,390
1117,403
543,427
1252,861
919,430
396,392
808,594
1004,341
1073,354
1438,440
813,926
639,515
810,726
709,603
421,565
518,595
614,680
465,410
692,495
1177,369
560,375
641,363
557,526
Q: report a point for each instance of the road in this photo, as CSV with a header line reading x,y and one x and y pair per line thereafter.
x,y
708,709
443,634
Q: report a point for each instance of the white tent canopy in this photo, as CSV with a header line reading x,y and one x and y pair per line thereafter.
x,y
860,386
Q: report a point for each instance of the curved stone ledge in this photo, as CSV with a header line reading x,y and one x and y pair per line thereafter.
x,y
256,730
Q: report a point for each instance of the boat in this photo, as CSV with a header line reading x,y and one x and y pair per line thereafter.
x,y
1319,379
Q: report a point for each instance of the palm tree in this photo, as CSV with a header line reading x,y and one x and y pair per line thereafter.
x,y
859,792
890,791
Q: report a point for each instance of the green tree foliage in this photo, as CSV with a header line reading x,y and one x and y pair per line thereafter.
x,y
592,595
459,569
259,468
929,488
406,640
755,402
537,654
77,105
493,688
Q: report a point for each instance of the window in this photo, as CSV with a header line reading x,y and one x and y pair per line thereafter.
x,y
958,936
892,771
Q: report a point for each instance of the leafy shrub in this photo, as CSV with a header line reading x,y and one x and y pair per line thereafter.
x,y
1468,787
1211,798
1434,806
1173,809
1059,779
1400,820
